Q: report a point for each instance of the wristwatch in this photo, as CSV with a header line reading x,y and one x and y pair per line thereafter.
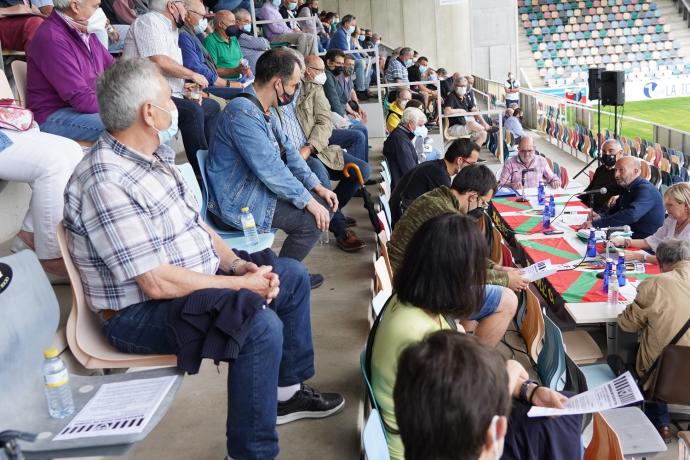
x,y
525,387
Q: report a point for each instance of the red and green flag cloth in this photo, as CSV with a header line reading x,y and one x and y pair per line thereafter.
x,y
522,224
583,286
556,249
503,204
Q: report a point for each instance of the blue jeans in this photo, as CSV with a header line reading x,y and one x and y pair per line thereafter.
x,y
492,297
360,81
224,92
352,140
278,351
657,413
231,5
197,124
74,125
359,126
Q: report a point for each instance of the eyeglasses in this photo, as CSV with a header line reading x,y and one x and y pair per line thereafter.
x,y
525,151
195,12
315,68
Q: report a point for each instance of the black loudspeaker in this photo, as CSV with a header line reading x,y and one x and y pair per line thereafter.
x,y
613,88
594,83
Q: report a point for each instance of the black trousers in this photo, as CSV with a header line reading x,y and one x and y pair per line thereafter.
x,y
197,125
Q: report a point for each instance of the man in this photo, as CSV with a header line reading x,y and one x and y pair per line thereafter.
x,y
446,84
335,63
155,35
605,176
225,49
399,149
252,47
512,88
17,32
460,122
432,174
195,56
397,72
397,108
659,311
307,123
253,164
639,205
527,169
470,192
470,91
63,64
418,72
342,40
281,32
150,266
513,123
349,98
288,10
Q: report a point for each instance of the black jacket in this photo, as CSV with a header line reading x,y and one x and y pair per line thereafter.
x,y
603,177
400,153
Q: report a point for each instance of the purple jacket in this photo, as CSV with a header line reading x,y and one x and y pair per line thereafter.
x,y
61,71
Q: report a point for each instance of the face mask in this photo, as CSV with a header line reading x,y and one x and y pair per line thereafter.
x,y
233,31
247,28
285,99
96,22
337,70
403,104
608,160
201,27
422,68
320,79
409,62
350,30
362,38
336,20
348,71
166,135
292,6
276,3
461,90
421,131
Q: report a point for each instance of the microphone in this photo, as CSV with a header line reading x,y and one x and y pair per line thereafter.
x,y
599,191
622,228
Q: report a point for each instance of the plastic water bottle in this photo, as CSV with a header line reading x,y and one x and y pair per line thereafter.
x,y
607,274
620,269
325,238
540,193
592,244
251,236
552,206
612,298
546,219
57,388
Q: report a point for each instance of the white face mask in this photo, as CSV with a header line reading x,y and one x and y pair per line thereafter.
x,y
461,90
97,21
320,79
421,131
201,27
403,104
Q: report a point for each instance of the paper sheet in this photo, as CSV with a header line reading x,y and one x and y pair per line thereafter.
x,y
618,392
118,408
540,270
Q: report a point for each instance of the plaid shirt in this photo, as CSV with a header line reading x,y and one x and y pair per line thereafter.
x,y
125,215
396,71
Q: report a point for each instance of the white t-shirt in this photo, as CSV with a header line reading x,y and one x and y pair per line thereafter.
x,y
667,231
512,85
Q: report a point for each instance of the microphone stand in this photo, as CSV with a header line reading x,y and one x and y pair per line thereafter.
x,y
522,198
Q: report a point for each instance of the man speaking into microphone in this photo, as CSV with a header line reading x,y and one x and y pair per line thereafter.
x,y
639,205
527,169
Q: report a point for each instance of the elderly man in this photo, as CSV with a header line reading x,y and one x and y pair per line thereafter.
x,y
254,164
252,47
154,35
148,262
282,32
307,123
63,64
398,147
458,108
513,123
527,169
397,108
397,73
605,176
639,205
659,311
225,49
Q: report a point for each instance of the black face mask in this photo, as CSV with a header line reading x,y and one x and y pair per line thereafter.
x,y
608,160
233,31
476,213
285,99
337,70
179,22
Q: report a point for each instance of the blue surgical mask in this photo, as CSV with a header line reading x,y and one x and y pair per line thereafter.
x,y
247,28
423,68
421,131
409,62
277,3
201,27
166,135
351,30
292,6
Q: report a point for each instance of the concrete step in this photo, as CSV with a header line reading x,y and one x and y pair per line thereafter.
x,y
527,62
679,27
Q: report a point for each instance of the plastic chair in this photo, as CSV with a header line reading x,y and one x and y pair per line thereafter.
x,y
385,205
374,438
551,360
383,278
532,327
19,73
84,335
605,442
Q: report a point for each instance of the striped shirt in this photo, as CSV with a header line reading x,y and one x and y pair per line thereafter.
x,y
126,214
293,130
397,71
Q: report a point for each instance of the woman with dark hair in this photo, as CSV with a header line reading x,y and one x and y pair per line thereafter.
x,y
441,281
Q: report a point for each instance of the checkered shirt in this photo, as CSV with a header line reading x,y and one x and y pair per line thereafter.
x,y
125,215
396,71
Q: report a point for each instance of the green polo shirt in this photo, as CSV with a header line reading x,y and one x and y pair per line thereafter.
x,y
225,55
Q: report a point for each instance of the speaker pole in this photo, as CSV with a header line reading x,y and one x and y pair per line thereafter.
x,y
615,122
598,158
599,133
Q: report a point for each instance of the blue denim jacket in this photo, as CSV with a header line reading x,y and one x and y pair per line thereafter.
x,y
245,169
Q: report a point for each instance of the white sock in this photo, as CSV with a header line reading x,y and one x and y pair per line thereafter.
x,y
285,393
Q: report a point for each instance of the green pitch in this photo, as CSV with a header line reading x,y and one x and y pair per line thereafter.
x,y
672,112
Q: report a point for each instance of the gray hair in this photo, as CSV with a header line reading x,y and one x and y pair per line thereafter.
x,y
405,50
413,114
615,142
673,250
122,90
158,5
241,12
62,5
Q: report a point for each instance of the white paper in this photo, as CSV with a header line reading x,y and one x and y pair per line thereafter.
x,y
618,392
540,270
118,408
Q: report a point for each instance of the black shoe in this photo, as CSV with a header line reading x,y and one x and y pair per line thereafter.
x,y
315,279
357,194
374,181
308,402
363,96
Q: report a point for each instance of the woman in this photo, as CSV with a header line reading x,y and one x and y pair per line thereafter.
x,y
677,203
441,281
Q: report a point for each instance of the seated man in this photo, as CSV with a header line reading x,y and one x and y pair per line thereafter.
x,y
418,72
154,35
527,168
335,65
398,147
514,124
639,205
252,47
349,98
148,263
659,311
458,104
224,48
282,32
16,32
62,72
432,174
446,82
470,192
605,176
307,124
397,108
397,72
253,163
461,389
342,40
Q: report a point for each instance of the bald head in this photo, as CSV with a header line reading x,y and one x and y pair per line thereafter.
x,y
313,66
313,60
627,170
526,149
